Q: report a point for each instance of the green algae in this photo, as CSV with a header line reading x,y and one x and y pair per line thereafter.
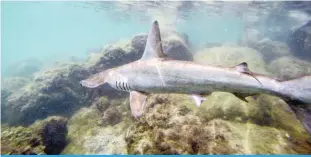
x,y
170,127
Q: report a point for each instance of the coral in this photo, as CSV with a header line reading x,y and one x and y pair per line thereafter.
x,y
170,127
230,56
286,68
43,137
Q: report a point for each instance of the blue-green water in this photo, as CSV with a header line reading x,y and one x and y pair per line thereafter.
x,y
52,31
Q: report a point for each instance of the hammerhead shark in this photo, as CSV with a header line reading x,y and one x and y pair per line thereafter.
x,y
155,72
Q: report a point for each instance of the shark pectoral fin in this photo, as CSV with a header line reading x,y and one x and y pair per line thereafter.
x,y
153,47
198,99
95,80
137,102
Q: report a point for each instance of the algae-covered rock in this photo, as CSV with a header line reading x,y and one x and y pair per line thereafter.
x,y
4,99
286,68
99,131
270,49
263,110
23,68
14,84
170,127
53,132
43,137
54,91
300,41
230,56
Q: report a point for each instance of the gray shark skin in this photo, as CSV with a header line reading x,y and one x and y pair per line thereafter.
x,y
155,73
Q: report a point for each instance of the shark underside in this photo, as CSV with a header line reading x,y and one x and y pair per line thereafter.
x,y
156,73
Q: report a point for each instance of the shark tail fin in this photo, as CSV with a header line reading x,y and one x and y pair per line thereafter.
x,y
95,80
297,94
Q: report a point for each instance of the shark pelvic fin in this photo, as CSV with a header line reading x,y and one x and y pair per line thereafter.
x,y
243,68
137,102
153,47
198,99
95,80
242,96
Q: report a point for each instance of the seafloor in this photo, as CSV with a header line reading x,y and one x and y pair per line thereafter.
x,y
48,112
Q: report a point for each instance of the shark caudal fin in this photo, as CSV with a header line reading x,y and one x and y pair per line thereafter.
x,y
95,80
153,47
297,93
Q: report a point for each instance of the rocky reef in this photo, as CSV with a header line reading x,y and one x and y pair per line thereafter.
x,y
99,129
222,125
43,137
286,68
232,55
24,68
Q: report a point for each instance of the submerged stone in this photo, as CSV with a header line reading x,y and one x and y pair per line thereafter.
x,y
43,137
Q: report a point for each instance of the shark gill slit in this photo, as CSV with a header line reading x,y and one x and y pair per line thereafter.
x,y
120,85
127,86
124,86
117,85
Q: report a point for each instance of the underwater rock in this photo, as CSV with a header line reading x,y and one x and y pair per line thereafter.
x,y
231,56
269,49
101,104
286,68
53,132
172,127
87,135
14,84
264,110
52,92
43,137
300,42
4,99
112,116
24,68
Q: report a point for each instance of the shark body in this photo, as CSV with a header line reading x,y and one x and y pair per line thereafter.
x,y
156,73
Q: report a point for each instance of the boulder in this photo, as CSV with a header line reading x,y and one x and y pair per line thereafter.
x,y
286,68
52,92
270,49
300,42
14,84
24,68
230,55
43,137
95,131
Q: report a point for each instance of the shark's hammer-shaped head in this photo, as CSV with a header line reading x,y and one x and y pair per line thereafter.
x,y
97,79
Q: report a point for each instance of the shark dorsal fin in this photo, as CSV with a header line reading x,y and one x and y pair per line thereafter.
x,y
153,47
243,68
